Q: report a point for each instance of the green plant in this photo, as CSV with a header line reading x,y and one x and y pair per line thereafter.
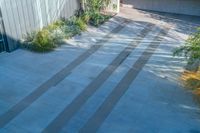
x,y
43,42
81,24
59,23
98,18
52,35
96,5
46,39
54,26
86,17
92,11
191,49
73,26
70,30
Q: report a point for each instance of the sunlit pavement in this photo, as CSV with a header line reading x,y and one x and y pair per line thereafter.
x,y
119,78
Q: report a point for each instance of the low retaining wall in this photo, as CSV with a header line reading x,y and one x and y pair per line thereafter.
x,y
188,7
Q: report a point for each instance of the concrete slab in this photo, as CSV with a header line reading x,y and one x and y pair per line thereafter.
x,y
78,77
162,114
18,67
89,108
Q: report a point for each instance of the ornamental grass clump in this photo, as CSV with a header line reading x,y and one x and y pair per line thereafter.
x,y
80,23
43,42
85,16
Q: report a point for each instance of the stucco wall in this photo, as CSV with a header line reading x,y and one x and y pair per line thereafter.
x,y
189,7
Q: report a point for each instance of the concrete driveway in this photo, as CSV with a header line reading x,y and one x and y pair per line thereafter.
x,y
119,78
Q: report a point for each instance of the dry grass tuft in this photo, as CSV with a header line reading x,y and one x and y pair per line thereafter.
x,y
191,80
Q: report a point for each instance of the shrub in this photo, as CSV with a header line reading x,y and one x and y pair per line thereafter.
x,y
92,12
43,42
191,49
96,5
46,39
98,19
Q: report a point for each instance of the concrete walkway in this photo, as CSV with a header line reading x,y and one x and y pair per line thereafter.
x,y
119,78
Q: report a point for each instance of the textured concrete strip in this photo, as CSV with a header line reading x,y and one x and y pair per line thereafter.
x,y
107,106
63,118
55,79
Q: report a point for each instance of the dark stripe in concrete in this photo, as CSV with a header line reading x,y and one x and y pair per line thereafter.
x,y
55,79
63,118
107,106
